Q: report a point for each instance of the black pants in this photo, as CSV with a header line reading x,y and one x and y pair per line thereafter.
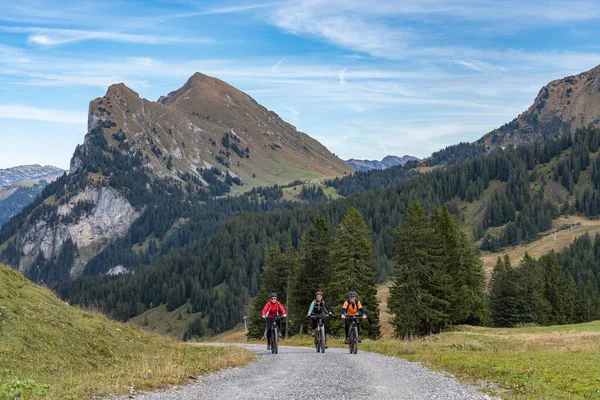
x,y
348,321
269,322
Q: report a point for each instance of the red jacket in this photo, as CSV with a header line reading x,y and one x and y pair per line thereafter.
x,y
271,309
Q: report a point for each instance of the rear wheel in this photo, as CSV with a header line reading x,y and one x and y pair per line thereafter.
x,y
351,341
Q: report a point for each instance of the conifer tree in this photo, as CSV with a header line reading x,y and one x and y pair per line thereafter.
x,y
416,296
555,287
354,270
314,271
271,282
462,267
506,300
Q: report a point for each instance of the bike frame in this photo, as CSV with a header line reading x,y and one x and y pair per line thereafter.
x,y
353,334
274,335
319,333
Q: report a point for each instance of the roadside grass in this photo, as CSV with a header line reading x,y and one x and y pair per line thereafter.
x,y
51,350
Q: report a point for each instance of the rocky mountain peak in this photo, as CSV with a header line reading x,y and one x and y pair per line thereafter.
x,y
560,107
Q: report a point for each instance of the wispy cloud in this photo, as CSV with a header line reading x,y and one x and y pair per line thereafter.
x,y
342,76
479,66
17,111
52,37
275,68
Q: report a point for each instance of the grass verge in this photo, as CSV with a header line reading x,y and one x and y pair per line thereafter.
x,y
51,350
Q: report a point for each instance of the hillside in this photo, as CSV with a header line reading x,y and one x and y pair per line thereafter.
x,y
51,350
386,162
10,176
145,168
506,198
560,107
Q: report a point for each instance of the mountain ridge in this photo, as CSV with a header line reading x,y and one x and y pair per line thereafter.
x,y
140,158
561,106
12,175
386,162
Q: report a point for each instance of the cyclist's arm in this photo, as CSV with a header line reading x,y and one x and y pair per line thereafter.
x,y
281,309
325,307
265,308
344,307
310,309
360,308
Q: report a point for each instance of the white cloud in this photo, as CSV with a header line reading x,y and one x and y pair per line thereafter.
x,y
52,37
275,68
342,76
17,111
479,66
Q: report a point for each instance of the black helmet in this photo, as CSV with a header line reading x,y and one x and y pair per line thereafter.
x,y
319,293
273,295
352,294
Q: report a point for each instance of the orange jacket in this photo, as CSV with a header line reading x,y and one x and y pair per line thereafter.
x,y
352,309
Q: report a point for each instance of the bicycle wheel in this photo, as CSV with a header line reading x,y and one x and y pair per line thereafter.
x,y
355,340
351,341
322,339
276,341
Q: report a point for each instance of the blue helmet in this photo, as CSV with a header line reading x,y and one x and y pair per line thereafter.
x,y
352,294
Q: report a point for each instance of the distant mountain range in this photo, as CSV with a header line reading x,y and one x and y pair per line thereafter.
x,y
34,172
387,162
20,185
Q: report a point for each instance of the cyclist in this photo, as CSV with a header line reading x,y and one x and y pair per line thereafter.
x,y
269,312
351,308
318,308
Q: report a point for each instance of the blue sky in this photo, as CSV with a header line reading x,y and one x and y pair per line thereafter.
x,y
366,78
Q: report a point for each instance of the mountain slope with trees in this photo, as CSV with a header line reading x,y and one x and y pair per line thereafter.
x,y
145,168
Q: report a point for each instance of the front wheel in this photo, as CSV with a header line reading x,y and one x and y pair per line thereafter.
x,y
355,341
276,341
322,339
351,340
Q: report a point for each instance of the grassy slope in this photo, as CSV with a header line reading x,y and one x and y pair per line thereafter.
x,y
164,322
64,352
546,242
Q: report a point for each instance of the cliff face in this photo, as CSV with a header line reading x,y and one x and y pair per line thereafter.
x,y
386,162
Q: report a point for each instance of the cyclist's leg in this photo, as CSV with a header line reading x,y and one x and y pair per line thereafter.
x,y
346,328
269,322
278,322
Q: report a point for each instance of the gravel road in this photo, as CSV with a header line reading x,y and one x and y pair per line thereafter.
x,y
301,373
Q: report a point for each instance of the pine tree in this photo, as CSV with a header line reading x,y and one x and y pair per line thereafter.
x,y
354,270
270,283
418,281
462,266
314,272
555,287
506,298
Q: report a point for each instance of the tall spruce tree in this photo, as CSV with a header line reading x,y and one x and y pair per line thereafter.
x,y
272,281
460,262
417,293
555,287
354,270
314,272
506,299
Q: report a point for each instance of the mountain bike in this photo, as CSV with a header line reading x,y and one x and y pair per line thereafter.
x,y
353,334
320,332
275,335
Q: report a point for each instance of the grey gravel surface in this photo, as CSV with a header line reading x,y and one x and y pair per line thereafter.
x,y
302,373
